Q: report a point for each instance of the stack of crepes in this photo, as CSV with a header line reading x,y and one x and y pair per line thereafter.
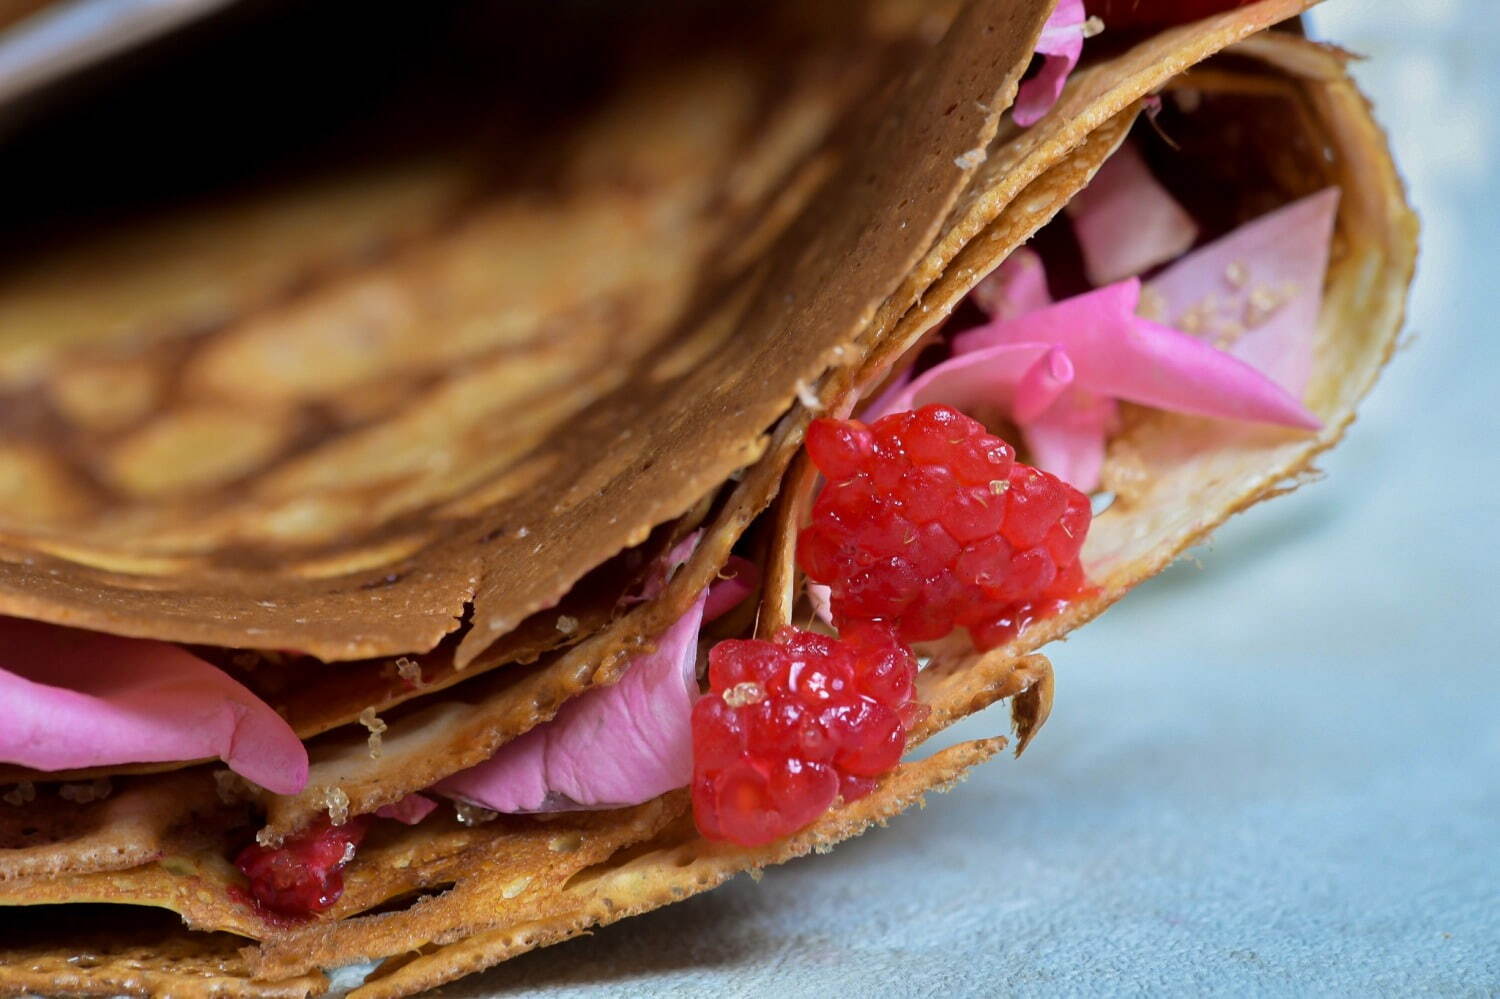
x,y
408,497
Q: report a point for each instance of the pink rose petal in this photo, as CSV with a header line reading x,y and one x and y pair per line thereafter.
x,y
1060,46
1058,370
1126,222
71,699
610,747
966,381
411,809
1259,288
1068,439
739,579
618,745
1018,286
1043,384
1118,354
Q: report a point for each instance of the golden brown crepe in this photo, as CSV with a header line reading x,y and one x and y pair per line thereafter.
x,y
419,454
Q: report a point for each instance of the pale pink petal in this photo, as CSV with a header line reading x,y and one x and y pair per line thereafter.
x,y
71,699
1168,369
610,747
970,380
1068,439
1060,46
1016,287
1055,324
820,595
411,809
1126,222
1259,290
657,575
991,377
1118,354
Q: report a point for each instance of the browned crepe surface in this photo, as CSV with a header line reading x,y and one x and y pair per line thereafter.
x,y
340,473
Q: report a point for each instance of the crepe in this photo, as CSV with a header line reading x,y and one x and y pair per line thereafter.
x,y
484,477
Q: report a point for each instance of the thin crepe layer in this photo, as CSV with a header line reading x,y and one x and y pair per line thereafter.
x,y
1361,315
464,872
140,822
589,333
152,955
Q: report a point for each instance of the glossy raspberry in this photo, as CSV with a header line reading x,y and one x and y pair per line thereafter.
x,y
305,874
928,523
1121,14
790,725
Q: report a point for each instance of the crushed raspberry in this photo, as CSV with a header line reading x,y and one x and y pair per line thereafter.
x,y
928,523
790,725
305,874
1121,14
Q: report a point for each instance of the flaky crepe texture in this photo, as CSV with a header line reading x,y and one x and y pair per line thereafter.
x,y
890,243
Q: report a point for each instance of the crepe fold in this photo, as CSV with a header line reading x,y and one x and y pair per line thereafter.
x,y
489,438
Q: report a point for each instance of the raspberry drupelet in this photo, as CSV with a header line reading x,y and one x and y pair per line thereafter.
x,y
790,725
304,875
928,523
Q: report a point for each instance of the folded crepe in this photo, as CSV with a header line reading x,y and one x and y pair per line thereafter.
x,y
378,521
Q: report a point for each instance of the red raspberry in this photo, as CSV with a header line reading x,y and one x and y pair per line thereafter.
x,y
304,875
790,725
927,523
1120,14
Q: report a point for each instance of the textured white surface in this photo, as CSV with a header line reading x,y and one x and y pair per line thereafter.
x,y
1278,773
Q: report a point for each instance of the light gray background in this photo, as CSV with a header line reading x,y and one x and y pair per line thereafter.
x,y
1274,773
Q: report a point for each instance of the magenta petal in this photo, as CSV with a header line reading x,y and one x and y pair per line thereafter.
x,y
1259,289
1016,287
610,747
71,699
1126,222
977,378
739,579
1161,367
1116,353
1060,46
410,810
1042,385
1105,310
